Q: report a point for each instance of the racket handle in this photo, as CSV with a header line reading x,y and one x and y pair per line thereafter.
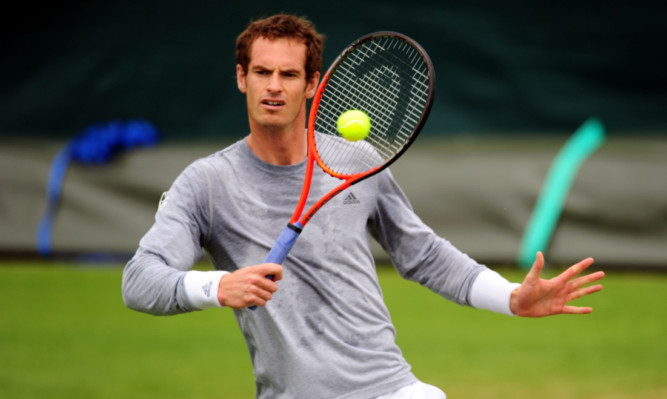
x,y
283,244
281,248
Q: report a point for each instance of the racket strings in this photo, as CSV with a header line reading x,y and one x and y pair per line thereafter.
x,y
388,79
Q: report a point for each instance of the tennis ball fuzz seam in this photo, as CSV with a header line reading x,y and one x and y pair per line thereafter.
x,y
353,125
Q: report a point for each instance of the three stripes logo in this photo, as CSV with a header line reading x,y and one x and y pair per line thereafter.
x,y
351,199
207,289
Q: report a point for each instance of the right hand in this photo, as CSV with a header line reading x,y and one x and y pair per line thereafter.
x,y
249,286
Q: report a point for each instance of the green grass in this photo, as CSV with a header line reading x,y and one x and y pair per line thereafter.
x,y
65,333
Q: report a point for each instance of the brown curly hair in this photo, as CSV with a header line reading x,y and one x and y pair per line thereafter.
x,y
279,27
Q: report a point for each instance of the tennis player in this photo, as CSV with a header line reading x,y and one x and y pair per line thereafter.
x,y
326,333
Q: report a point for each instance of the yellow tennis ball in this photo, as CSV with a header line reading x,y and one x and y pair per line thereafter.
x,y
354,125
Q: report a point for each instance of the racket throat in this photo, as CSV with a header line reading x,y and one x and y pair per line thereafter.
x,y
297,227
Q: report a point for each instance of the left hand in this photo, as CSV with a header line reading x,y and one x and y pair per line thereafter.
x,y
538,297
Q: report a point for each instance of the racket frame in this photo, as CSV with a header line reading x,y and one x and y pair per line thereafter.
x,y
300,219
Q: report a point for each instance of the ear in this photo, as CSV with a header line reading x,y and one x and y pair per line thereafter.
x,y
311,85
240,78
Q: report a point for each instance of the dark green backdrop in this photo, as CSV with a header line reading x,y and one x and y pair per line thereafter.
x,y
511,66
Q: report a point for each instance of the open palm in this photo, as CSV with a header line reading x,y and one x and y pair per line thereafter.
x,y
537,297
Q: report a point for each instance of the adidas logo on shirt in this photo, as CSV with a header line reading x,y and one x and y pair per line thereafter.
x,y
351,199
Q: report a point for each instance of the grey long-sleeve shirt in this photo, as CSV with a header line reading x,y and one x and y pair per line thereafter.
x,y
327,332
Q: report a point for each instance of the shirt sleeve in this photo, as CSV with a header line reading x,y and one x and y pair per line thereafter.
x,y
154,279
416,251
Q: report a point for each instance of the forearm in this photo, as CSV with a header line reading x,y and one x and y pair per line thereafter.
x,y
151,286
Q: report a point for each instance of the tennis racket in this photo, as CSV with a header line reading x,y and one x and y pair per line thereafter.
x,y
388,76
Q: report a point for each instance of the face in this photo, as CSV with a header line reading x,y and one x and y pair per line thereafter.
x,y
275,84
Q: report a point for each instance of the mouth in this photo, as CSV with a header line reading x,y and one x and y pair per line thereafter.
x,y
273,103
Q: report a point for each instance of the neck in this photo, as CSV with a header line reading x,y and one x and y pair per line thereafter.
x,y
278,147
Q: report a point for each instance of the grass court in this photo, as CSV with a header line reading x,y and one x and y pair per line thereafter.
x,y
65,333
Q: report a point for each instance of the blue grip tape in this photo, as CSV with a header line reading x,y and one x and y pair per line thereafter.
x,y
284,244
281,248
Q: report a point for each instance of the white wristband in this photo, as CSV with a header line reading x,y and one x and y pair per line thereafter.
x,y
491,291
201,288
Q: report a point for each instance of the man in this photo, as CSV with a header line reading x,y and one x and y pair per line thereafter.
x,y
326,333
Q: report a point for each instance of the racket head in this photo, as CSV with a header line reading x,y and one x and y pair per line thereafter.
x,y
391,78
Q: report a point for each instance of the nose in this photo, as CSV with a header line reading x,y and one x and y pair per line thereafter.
x,y
275,83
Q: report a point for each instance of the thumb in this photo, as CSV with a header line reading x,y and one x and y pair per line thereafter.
x,y
272,269
536,270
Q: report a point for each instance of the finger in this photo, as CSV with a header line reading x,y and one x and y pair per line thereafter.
x,y
271,269
277,272
576,269
264,284
587,279
264,295
583,292
577,310
258,296
255,302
